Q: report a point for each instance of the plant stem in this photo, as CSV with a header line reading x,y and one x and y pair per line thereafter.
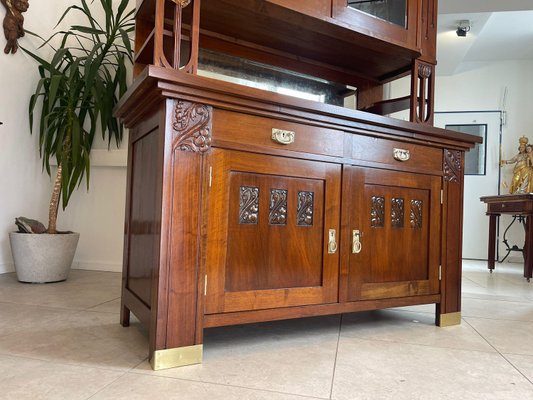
x,y
54,202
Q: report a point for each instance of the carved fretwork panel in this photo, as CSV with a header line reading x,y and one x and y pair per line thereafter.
x,y
397,213
416,214
278,207
377,212
304,213
249,205
452,166
192,125
422,92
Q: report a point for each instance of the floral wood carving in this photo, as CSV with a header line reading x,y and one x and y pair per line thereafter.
x,y
304,212
377,212
13,23
397,213
249,205
452,166
424,71
278,207
192,126
416,214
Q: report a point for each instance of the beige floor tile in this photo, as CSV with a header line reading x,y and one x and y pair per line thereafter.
x,y
112,306
411,327
296,357
82,338
20,317
26,379
522,363
506,336
142,387
493,309
80,291
377,370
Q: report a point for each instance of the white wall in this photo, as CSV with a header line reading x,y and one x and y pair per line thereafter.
x,y
99,214
481,88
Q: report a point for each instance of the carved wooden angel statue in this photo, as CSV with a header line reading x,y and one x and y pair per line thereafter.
x,y
13,23
522,170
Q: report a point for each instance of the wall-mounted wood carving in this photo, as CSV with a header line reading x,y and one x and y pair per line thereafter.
x,y
452,165
377,212
278,207
416,214
397,213
304,212
13,23
192,126
249,205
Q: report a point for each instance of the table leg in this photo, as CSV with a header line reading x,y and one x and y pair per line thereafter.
x,y
492,242
528,249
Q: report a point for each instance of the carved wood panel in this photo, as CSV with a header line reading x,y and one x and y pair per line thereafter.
x,y
249,205
377,212
416,214
192,125
278,207
304,213
452,166
397,212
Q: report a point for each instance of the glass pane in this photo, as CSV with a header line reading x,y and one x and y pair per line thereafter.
x,y
475,158
394,11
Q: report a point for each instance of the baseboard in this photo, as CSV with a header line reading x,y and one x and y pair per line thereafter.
x,y
6,268
96,266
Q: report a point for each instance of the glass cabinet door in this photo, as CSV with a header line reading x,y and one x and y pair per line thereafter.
x,y
394,11
392,20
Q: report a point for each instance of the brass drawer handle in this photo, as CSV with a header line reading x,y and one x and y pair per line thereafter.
x,y
401,154
283,137
357,246
332,241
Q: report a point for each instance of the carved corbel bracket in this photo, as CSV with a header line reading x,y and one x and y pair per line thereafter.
x,y
192,124
13,23
182,3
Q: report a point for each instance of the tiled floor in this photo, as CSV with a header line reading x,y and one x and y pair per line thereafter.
x,y
63,341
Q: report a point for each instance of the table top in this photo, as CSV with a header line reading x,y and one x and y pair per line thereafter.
x,y
515,204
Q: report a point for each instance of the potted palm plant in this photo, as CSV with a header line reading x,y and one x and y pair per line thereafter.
x,y
78,87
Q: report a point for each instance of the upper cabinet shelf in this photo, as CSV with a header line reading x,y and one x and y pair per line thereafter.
x,y
326,32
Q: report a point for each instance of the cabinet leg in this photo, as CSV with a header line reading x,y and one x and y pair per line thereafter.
x,y
176,357
125,316
492,242
447,319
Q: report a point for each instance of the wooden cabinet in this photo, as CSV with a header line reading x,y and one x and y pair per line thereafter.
x,y
247,205
267,220
392,233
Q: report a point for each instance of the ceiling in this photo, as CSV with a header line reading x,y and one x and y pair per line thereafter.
x,y
500,30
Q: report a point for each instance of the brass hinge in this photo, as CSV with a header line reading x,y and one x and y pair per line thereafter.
x,y
205,285
440,272
210,176
441,196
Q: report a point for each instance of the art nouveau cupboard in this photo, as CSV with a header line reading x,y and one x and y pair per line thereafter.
x,y
248,204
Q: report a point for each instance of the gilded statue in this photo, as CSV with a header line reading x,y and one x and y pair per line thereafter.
x,y
522,181
13,23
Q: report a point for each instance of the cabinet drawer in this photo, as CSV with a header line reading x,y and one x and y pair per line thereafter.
x,y
398,155
243,129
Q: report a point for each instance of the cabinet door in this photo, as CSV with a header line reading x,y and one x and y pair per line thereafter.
x,y
398,218
391,20
269,220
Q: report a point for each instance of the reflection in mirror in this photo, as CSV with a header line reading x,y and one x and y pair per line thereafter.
x,y
273,79
475,158
394,11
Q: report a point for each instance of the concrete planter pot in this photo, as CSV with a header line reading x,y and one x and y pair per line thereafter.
x,y
43,258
